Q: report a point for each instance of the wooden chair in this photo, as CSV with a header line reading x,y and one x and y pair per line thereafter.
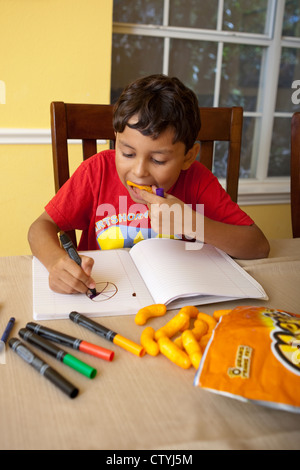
x,y
295,174
86,122
89,122
222,124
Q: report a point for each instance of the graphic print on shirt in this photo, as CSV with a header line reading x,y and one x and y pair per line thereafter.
x,y
122,228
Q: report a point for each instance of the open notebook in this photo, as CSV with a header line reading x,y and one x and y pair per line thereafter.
x,y
153,271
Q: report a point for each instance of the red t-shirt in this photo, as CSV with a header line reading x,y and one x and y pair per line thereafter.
x,y
95,201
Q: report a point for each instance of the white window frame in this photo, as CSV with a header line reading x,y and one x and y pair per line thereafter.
x,y
261,189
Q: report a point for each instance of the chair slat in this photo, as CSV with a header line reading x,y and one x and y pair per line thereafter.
x,y
295,174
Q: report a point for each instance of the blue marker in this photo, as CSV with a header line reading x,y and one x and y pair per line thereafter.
x,y
6,333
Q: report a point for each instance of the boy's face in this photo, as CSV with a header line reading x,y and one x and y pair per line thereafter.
x,y
147,162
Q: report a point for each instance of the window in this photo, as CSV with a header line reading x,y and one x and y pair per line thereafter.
x,y
244,53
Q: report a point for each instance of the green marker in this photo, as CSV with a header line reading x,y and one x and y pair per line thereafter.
x,y
59,354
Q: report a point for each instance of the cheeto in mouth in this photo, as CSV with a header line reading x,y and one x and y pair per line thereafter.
x,y
145,188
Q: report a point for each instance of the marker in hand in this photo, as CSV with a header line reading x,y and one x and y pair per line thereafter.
x,y
72,252
160,192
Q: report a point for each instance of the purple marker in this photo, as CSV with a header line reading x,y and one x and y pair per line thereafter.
x,y
160,192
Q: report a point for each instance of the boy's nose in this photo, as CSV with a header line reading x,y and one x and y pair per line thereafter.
x,y
140,168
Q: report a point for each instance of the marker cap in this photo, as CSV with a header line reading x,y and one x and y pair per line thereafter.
x,y
97,351
160,192
80,366
129,345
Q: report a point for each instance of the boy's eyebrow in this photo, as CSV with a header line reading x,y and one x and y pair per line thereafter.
x,y
126,145
160,151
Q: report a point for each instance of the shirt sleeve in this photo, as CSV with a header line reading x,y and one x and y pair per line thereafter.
x,y
72,206
198,185
219,206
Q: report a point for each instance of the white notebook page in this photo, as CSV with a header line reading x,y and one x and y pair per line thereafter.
x,y
207,271
124,292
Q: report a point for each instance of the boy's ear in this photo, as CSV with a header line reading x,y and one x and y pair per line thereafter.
x,y
191,156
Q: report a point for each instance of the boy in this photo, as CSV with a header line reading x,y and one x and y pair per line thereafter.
x,y
156,121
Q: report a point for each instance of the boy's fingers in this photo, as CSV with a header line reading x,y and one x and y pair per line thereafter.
x,y
76,277
87,266
152,198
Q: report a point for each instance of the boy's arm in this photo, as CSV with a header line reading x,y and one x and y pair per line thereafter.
x,y
239,241
65,276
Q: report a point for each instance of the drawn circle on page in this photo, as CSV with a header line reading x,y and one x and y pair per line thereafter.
x,y
105,291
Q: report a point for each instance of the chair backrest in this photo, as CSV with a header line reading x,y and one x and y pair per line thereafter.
x,y
222,124
295,174
90,122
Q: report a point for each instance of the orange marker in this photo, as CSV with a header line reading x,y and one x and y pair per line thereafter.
x,y
107,334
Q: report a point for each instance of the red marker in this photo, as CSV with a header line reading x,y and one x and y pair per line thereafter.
x,y
66,340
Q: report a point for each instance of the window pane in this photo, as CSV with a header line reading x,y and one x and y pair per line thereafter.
x,y
288,98
194,13
138,11
247,16
133,57
240,76
291,22
279,163
221,152
194,63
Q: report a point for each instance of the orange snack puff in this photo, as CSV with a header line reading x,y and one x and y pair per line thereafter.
x,y
253,355
178,342
190,310
169,349
204,340
192,347
220,313
211,322
145,188
147,341
179,322
200,329
155,310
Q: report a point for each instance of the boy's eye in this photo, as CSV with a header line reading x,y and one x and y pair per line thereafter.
x,y
158,162
127,155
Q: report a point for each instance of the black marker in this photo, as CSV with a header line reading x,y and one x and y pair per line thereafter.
x,y
70,341
43,368
107,334
72,252
58,353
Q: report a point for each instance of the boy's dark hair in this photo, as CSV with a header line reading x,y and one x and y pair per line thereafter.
x,y
159,102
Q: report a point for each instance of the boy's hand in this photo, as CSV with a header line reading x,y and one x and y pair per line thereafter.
x,y
169,215
67,277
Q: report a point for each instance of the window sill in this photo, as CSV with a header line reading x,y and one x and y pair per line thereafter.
x,y
269,191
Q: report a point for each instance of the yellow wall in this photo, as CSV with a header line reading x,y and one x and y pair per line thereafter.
x,y
51,50
273,219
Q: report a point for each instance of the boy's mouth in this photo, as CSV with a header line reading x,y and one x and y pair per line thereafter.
x,y
134,185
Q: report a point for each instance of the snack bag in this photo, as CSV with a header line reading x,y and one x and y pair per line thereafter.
x,y
254,354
